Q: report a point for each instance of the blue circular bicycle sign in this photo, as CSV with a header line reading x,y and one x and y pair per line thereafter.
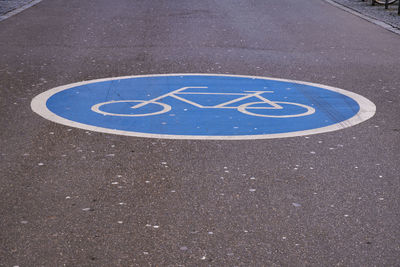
x,y
203,106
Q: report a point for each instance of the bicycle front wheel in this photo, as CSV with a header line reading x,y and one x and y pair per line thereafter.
x,y
382,2
124,108
252,108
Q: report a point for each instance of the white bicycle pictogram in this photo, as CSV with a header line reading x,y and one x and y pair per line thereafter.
x,y
249,108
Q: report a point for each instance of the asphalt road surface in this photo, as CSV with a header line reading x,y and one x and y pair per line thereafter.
x,y
72,197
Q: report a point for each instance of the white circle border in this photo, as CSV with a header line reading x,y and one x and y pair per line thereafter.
x,y
367,111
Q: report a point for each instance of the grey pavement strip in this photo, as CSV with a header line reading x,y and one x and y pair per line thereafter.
x,y
375,14
13,7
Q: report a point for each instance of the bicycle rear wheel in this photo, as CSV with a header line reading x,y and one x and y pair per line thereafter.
x,y
129,110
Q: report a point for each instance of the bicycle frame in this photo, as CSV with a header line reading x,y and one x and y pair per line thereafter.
x,y
175,94
249,108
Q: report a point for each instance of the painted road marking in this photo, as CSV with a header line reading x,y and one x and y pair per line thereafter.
x,y
203,106
244,108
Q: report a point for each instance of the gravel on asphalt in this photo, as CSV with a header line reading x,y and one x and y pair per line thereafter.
x,y
377,11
